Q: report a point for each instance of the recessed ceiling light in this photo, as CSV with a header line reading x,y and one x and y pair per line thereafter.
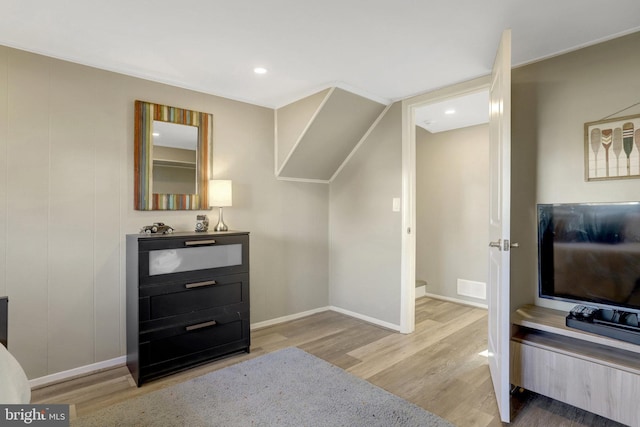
x,y
155,134
260,70
450,111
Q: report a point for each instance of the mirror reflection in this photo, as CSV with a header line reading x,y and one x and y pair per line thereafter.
x,y
174,158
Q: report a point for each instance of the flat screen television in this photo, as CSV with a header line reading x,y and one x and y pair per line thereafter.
x,y
589,253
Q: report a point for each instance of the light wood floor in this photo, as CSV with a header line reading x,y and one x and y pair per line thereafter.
x,y
438,367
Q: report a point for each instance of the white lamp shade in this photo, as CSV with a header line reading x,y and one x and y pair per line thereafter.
x,y
220,192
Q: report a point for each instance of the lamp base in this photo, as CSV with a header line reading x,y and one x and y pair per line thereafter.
x,y
221,226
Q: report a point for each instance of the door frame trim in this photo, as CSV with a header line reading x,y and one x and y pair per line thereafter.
x,y
408,245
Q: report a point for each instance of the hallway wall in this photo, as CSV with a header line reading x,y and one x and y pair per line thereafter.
x,y
452,209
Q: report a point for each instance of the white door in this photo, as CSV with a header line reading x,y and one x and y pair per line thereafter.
x,y
499,223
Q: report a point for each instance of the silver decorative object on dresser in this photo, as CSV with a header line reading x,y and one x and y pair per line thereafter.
x,y
187,300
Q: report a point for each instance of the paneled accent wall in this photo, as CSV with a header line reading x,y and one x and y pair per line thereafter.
x,y
54,137
66,203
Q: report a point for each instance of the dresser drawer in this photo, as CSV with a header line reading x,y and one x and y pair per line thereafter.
x,y
172,325
185,342
184,297
164,260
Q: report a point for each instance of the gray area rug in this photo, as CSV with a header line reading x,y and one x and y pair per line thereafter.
x,y
286,388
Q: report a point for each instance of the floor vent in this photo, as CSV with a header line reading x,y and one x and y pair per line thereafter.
x,y
469,288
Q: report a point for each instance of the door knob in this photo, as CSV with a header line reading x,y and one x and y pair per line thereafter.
x,y
496,244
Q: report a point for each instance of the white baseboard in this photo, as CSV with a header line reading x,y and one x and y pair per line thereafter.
x,y
320,310
366,318
122,360
456,300
76,372
288,318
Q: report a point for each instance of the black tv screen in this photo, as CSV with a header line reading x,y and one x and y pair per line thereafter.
x,y
590,253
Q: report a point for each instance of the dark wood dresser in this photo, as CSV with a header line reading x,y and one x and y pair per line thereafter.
x,y
187,300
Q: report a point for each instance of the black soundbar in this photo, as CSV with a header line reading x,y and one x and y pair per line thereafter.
x,y
608,329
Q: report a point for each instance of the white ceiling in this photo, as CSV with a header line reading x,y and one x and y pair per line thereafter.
x,y
454,113
383,49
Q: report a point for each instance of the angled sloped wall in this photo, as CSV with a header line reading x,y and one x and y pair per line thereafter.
x,y
327,139
292,121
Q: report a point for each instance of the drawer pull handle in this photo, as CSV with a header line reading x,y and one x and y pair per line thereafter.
x,y
200,284
199,242
201,325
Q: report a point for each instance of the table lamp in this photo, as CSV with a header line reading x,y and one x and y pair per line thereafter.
x,y
220,196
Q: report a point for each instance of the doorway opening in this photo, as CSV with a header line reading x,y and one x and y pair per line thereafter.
x,y
452,198
410,133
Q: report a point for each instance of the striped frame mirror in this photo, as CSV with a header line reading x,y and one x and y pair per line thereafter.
x,y
145,196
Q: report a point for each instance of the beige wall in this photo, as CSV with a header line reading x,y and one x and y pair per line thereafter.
x,y
291,122
552,100
66,196
66,203
452,208
365,234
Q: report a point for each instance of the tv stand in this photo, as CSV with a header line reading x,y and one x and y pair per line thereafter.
x,y
592,372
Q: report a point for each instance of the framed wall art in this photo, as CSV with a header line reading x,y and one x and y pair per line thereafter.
x,y
612,148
